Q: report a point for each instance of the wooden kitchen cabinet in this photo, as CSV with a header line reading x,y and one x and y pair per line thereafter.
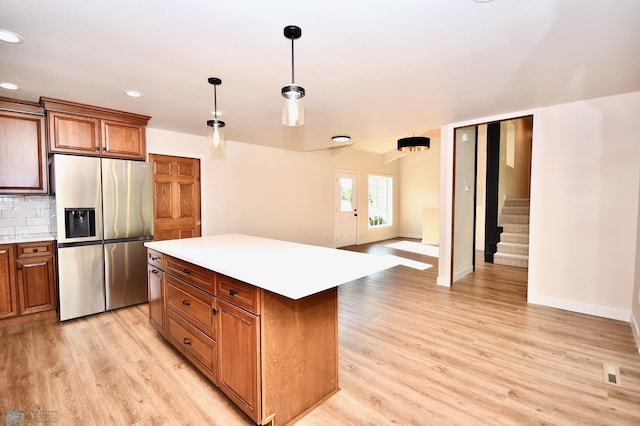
x,y
23,150
8,299
274,357
75,128
36,278
238,357
27,279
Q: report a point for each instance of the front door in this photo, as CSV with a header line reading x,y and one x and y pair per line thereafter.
x,y
346,219
176,197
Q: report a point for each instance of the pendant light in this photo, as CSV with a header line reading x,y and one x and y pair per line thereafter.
x,y
414,143
215,135
292,108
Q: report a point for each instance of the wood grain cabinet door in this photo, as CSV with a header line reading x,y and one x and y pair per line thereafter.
x,y
238,357
8,304
73,134
123,140
36,284
23,153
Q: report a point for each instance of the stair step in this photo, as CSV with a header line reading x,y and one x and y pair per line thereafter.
x,y
517,202
514,218
514,238
516,228
513,248
521,261
516,210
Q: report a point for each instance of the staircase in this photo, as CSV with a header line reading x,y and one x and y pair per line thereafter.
x,y
513,248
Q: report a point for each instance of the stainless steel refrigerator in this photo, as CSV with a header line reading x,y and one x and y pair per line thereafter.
x,y
104,216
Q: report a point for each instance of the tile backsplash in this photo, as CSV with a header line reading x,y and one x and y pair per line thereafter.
x,y
27,214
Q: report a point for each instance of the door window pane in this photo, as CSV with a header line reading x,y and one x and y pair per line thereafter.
x,y
346,194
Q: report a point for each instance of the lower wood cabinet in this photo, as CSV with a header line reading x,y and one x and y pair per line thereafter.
x,y
276,358
27,279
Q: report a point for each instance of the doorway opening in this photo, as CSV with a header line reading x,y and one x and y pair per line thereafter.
x,y
491,187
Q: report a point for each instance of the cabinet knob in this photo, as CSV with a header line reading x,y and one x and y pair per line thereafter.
x,y
215,311
233,292
186,341
19,267
97,148
186,271
35,250
186,302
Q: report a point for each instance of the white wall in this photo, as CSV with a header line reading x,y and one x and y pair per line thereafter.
x,y
635,297
419,189
584,204
275,193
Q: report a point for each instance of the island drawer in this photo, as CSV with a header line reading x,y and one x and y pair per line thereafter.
x,y
239,293
155,258
197,307
193,274
35,249
189,339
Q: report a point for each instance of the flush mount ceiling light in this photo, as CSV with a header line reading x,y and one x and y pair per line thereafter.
x,y
292,108
133,93
10,37
341,138
414,143
215,135
9,86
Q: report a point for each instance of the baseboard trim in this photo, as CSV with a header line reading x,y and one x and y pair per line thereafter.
x,y
581,308
461,274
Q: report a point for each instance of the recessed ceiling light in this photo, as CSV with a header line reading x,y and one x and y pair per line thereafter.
x,y
341,138
10,37
133,93
482,1
9,86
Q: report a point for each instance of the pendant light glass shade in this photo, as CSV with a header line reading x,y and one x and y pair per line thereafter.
x,y
215,135
292,107
414,143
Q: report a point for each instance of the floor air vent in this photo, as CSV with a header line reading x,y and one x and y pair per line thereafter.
x,y
611,374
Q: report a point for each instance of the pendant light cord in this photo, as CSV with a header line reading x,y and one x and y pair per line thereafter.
x,y
293,79
215,103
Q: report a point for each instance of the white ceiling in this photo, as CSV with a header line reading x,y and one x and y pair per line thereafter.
x,y
373,69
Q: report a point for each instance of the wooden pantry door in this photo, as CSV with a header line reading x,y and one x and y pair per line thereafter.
x,y
176,197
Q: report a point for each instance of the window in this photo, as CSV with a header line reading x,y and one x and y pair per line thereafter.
x,y
346,194
380,201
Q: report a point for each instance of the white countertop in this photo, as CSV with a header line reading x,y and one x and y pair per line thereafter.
x,y
290,269
27,238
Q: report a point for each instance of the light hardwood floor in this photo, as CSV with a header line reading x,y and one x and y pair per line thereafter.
x,y
410,353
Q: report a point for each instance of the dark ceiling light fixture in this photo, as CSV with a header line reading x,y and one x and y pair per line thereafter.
x,y
341,138
414,143
292,108
215,135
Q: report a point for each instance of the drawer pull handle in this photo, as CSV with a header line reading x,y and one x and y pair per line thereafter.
x,y
186,271
35,250
154,271
186,341
154,258
233,292
186,302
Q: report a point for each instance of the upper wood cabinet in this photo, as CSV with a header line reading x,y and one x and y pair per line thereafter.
x,y
23,150
75,128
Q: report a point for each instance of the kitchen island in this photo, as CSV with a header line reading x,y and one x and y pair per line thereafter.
x,y
258,317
